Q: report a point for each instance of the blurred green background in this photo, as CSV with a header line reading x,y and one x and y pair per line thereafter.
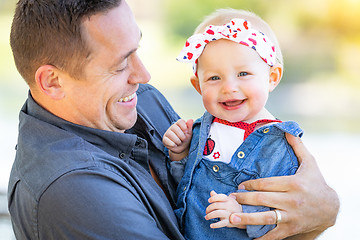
x,y
320,88
320,41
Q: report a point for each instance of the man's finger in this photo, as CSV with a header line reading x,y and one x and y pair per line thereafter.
x,y
268,199
257,218
272,184
299,148
305,158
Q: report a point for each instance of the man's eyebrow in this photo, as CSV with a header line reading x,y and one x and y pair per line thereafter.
x,y
134,50
122,58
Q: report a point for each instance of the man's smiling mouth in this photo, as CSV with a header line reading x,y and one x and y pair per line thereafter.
x,y
127,99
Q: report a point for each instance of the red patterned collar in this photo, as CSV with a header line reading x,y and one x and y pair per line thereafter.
x,y
248,127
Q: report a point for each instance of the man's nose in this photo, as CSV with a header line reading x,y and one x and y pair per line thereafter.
x,y
140,74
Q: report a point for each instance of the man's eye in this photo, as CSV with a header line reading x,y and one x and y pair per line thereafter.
x,y
242,74
122,69
122,66
214,78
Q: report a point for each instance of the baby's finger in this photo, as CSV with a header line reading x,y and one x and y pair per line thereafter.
x,y
218,214
220,224
215,206
217,197
168,142
179,133
182,124
173,136
189,124
230,206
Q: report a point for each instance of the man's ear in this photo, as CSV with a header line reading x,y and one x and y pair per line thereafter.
x,y
48,81
275,76
195,82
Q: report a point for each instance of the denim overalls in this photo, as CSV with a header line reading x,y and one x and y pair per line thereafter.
x,y
265,153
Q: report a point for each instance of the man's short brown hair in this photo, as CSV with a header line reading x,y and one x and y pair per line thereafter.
x,y
49,32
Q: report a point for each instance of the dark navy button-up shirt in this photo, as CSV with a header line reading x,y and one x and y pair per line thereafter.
x,y
73,182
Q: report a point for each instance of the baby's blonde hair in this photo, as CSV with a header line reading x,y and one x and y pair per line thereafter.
x,y
222,16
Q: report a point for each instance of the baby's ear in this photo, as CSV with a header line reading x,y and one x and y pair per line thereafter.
x,y
196,84
275,76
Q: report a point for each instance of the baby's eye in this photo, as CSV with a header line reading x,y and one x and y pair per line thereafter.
x,y
242,74
214,78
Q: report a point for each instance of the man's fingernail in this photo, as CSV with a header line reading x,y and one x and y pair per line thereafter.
x,y
241,187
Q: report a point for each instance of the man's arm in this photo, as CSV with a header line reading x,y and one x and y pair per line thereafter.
x,y
308,206
89,205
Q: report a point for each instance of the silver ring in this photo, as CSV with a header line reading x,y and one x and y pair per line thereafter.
x,y
278,216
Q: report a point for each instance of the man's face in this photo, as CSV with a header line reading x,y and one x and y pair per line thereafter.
x,y
105,97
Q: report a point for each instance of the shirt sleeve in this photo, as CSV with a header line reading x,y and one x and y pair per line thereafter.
x,y
88,205
177,169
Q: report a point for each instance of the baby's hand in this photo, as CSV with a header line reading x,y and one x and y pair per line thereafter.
x,y
177,139
222,206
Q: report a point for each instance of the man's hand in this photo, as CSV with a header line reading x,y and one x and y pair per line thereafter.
x,y
308,206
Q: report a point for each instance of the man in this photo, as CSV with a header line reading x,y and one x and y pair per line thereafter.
x,y
90,163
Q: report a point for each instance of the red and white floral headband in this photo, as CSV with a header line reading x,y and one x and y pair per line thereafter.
x,y
237,30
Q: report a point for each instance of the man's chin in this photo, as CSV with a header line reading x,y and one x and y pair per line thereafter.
x,y
124,124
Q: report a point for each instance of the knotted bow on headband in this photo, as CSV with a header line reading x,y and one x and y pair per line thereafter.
x,y
237,30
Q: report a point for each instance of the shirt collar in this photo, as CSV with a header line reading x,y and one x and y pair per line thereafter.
x,y
108,141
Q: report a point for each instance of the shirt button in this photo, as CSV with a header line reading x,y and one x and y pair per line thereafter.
x,y
216,168
122,155
266,130
241,154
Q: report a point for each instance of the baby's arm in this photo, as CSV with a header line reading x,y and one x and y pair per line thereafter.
x,y
177,139
222,206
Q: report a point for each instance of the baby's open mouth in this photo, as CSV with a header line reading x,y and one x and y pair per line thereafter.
x,y
232,103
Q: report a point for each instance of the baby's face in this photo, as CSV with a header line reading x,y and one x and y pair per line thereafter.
x,y
234,81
